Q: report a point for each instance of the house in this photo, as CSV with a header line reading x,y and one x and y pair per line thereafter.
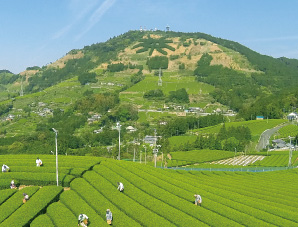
x,y
131,129
10,117
292,116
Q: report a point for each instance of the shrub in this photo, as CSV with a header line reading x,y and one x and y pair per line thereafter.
x,y
42,220
6,194
61,215
133,209
100,203
78,205
34,206
14,202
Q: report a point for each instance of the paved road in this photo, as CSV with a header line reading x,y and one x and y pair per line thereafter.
x,y
265,136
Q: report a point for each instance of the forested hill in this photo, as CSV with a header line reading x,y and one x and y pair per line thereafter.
x,y
240,75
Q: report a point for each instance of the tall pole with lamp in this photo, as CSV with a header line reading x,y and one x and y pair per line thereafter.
x,y
56,142
119,129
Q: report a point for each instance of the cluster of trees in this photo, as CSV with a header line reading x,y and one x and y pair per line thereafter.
x,y
231,139
118,67
152,44
178,96
180,125
7,77
154,94
157,62
99,103
5,108
87,77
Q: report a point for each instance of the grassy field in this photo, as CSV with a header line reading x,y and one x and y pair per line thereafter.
x,y
171,81
285,132
257,127
152,196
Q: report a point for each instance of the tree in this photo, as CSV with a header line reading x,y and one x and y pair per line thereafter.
x,y
86,77
179,96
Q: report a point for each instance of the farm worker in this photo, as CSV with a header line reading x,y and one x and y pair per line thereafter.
x,y
83,220
120,186
109,216
198,200
12,185
26,197
5,168
38,162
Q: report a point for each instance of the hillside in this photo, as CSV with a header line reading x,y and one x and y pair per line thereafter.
x,y
168,81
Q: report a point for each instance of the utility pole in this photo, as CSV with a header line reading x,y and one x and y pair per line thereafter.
x,y
56,142
119,129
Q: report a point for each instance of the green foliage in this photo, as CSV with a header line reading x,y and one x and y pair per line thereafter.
x,y
61,215
86,77
124,112
154,94
42,220
33,68
154,44
178,96
158,62
116,67
99,103
34,206
6,194
5,108
181,66
99,202
15,202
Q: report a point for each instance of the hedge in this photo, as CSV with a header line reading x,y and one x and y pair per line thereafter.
x,y
242,213
4,183
100,203
6,194
248,205
78,206
15,202
36,205
132,208
162,208
42,220
66,170
185,207
42,179
61,215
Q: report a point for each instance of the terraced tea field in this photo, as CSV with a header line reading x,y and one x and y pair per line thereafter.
x,y
152,196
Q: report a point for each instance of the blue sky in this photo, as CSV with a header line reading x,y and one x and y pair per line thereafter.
x,y
36,32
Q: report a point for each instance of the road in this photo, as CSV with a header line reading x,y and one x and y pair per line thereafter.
x,y
265,136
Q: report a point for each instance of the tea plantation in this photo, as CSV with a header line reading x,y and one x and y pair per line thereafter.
x,y
152,196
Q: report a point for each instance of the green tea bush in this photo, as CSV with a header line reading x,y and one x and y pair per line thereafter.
x,y
6,194
61,215
42,179
135,210
15,201
185,207
34,206
100,202
74,202
42,220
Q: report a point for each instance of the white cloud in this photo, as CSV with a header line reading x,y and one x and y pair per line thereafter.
x,y
79,11
96,16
